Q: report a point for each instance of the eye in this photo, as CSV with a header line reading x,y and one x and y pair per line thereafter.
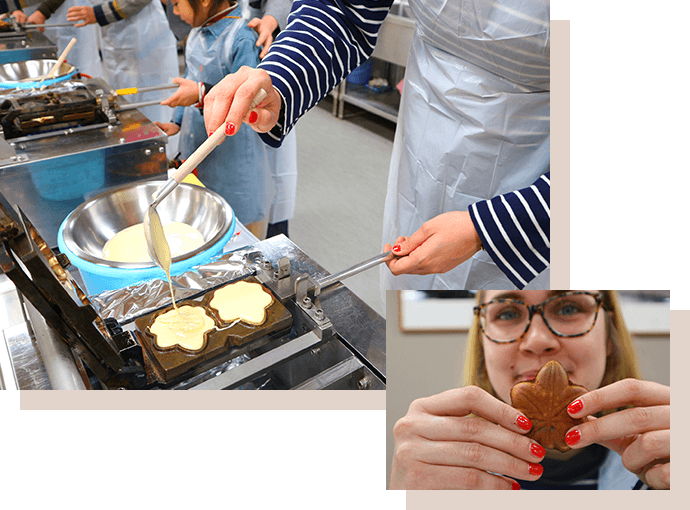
x,y
507,312
567,309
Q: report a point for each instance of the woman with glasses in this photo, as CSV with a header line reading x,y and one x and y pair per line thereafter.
x,y
471,438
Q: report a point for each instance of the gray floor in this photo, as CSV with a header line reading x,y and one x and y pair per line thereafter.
x,y
341,187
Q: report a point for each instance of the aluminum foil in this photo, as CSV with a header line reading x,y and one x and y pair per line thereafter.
x,y
133,301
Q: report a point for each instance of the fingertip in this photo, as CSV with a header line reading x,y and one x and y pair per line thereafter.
x,y
523,423
575,406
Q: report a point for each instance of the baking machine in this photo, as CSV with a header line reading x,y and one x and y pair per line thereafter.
x,y
317,335
58,144
21,42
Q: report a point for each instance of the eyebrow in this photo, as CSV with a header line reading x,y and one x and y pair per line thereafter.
x,y
517,295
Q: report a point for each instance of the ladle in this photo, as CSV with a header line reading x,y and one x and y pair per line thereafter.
x,y
153,228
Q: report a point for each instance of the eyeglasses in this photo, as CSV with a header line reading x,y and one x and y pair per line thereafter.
x,y
570,314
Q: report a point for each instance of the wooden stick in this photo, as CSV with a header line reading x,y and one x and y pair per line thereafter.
x,y
62,58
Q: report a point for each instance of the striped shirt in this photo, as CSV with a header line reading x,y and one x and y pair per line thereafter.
x,y
323,42
515,230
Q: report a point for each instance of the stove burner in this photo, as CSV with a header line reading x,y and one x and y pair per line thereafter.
x,y
41,113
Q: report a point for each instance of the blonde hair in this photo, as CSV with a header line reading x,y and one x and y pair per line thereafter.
x,y
621,363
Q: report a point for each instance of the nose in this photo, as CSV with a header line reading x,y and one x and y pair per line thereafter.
x,y
539,339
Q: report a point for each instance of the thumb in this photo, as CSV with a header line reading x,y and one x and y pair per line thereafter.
x,y
411,243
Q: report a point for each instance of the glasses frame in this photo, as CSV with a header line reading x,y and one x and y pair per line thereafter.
x,y
539,308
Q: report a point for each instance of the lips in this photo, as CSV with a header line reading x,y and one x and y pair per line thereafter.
x,y
530,375
526,376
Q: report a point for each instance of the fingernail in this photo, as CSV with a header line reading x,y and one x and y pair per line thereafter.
x,y
537,450
397,248
575,406
515,487
535,469
523,422
230,129
253,116
210,134
573,437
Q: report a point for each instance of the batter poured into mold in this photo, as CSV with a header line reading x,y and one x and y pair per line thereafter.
x,y
184,326
246,301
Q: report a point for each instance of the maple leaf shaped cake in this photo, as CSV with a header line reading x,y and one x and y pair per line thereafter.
x,y
545,402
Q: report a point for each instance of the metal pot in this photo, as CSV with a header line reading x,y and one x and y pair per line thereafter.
x,y
87,228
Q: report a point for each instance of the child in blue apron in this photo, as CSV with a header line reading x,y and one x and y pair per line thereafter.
x,y
239,170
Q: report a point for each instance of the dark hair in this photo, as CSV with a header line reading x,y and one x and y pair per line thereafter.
x,y
196,4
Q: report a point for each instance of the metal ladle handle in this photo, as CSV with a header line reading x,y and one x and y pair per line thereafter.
x,y
356,269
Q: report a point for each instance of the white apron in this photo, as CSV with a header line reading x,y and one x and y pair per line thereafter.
x,y
141,51
283,160
473,123
84,55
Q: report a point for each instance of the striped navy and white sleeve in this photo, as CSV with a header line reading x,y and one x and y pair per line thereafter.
x,y
515,230
323,42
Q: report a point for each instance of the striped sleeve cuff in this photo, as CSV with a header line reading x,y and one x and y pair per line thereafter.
x,y
108,13
515,230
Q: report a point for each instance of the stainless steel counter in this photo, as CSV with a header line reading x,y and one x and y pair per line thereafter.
x,y
32,357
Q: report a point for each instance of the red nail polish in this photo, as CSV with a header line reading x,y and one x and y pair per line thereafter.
x,y
253,116
515,487
230,129
535,469
397,248
575,406
573,437
537,450
524,423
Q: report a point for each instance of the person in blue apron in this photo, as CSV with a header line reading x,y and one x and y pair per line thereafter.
x,y
471,438
473,128
239,168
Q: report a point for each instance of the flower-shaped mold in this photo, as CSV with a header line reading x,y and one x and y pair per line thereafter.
x,y
187,329
245,301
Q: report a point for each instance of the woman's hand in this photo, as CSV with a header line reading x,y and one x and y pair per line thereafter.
x,y
37,18
438,445
264,27
641,435
186,95
20,16
79,13
169,128
438,246
230,99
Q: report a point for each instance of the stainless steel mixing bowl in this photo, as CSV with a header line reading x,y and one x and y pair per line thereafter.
x,y
32,70
93,223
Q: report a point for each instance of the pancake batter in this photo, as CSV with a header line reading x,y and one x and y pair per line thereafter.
x,y
185,326
129,245
245,301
